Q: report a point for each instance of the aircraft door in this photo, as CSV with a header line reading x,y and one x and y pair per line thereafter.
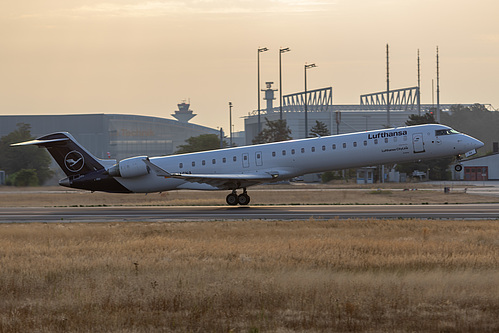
x,y
258,158
417,142
245,160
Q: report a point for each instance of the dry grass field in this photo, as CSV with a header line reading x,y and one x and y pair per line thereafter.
x,y
251,276
260,195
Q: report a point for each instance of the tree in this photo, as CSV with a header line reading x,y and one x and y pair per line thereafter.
x,y
200,143
15,159
274,131
330,175
24,177
427,118
320,129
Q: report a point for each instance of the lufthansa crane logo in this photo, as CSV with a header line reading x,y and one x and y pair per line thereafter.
x,y
74,161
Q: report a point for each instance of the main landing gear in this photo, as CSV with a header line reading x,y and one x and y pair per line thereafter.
x,y
233,199
458,167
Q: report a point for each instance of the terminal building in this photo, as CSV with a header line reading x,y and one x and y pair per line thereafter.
x,y
115,136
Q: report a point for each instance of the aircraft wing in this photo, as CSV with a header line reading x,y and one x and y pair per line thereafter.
x,y
226,181
221,181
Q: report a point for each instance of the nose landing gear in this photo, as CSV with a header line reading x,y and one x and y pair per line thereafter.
x,y
458,167
242,199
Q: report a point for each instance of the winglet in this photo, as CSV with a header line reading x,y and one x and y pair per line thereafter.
x,y
159,172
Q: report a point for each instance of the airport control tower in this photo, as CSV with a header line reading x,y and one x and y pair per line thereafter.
x,y
183,114
269,97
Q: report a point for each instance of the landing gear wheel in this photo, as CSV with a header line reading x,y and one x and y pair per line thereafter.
x,y
232,199
458,167
243,199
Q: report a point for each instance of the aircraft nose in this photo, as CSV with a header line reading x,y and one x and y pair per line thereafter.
x,y
475,143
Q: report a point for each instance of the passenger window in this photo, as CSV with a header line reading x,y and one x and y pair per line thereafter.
x,y
355,144
375,141
234,158
292,151
203,162
365,143
245,157
257,155
213,161
313,149
323,148
344,145
193,163
334,146
224,160
283,153
273,154
302,150
386,140
181,165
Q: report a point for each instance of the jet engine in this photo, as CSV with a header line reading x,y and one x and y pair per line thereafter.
x,y
129,168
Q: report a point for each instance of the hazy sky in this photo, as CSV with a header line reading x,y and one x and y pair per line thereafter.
x,y
144,57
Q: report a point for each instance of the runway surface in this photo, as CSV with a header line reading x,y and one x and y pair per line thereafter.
x,y
204,213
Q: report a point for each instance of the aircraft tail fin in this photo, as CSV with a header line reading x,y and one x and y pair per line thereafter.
x,y
67,152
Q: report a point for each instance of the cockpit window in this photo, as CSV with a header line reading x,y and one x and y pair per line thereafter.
x,y
445,132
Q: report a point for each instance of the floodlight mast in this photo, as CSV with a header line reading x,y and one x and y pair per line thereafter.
x,y
438,89
260,50
307,66
388,87
230,122
281,51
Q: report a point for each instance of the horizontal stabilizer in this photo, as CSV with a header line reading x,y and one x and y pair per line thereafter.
x,y
39,142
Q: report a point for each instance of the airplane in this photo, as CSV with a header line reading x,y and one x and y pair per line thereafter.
x,y
238,168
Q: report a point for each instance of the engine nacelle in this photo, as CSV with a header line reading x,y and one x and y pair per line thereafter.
x,y
129,168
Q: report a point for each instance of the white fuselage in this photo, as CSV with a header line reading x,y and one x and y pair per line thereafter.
x,y
289,159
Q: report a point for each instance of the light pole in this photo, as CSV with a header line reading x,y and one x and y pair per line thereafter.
x,y
307,66
438,90
230,122
388,87
419,88
260,50
281,51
